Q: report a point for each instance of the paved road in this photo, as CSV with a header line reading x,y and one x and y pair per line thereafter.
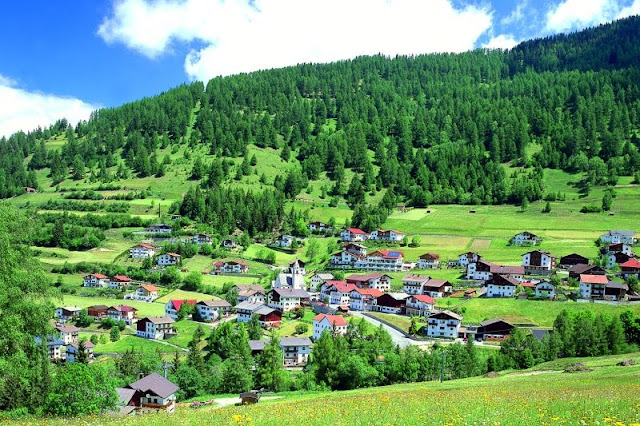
x,y
397,337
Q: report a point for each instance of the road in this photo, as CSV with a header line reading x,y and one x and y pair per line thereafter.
x,y
397,337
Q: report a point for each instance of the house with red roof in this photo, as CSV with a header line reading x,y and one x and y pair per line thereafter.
x,y
119,281
380,282
142,251
334,324
339,292
230,267
173,306
124,313
593,286
362,299
354,234
630,268
95,280
420,305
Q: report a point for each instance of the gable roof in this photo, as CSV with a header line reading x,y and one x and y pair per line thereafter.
x,y
621,233
257,345
436,283
546,253
98,276
125,395
594,279
248,306
215,303
388,254
67,329
144,245
631,263
122,308
417,278
177,303
158,320
448,314
502,280
291,292
342,286
423,298
323,276
356,231
373,292
494,321
149,287
365,277
581,268
430,256
295,341
156,384
249,289
617,284
265,310
122,278
336,320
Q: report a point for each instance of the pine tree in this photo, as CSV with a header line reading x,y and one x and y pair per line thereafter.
x,y
270,372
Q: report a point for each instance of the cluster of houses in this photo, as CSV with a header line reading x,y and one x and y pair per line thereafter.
x,y
356,256
65,346
103,281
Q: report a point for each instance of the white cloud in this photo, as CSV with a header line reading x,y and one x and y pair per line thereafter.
x,y
572,14
502,41
242,37
24,110
517,15
633,9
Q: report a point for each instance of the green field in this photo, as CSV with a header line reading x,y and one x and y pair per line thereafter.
x,y
145,309
543,395
137,344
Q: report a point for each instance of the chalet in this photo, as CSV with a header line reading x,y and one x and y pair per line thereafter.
x,y
98,312
630,268
573,259
286,299
149,394
142,251
65,313
525,239
383,260
412,284
95,280
576,270
362,299
201,239
620,248
334,324
356,249
338,292
159,228
387,235
145,293
119,281
538,262
380,282
354,235
494,329
173,306
429,261
319,227
168,259
437,288
229,244
483,270
68,333
443,324
252,293
156,328
295,350
350,254
231,267
599,287
211,310
545,289
124,313
318,279
501,286
626,237
419,305
284,241
613,258
391,303
74,348
465,259
267,316
54,347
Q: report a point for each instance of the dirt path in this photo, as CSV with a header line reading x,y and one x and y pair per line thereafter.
x,y
225,402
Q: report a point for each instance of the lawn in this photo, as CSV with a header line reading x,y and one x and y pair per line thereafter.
x,y
127,343
398,320
144,309
185,329
183,294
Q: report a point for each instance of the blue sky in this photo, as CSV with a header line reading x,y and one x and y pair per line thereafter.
x,y
68,58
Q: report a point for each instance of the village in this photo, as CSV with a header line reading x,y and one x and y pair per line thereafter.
x,y
355,284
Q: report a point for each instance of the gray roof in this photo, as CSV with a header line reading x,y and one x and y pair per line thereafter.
x,y
159,320
215,303
295,341
324,276
291,292
156,384
125,395
67,329
257,345
493,321
624,233
617,284
539,333
264,310
248,306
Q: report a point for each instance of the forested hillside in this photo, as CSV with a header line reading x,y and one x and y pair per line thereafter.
x,y
427,129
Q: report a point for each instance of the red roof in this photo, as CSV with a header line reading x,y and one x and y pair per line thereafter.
x,y
122,278
145,245
98,276
594,279
363,278
631,263
173,254
149,287
356,231
239,262
388,254
423,298
530,285
123,308
342,286
373,292
218,264
430,256
333,319
178,303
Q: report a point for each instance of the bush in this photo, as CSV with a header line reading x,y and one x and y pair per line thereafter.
x,y
590,208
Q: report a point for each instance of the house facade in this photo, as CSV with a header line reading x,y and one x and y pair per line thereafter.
x,y
443,324
420,305
437,288
119,281
334,324
142,251
156,328
380,282
125,313
319,227
95,280
573,259
545,289
295,351
73,349
391,303
526,238
613,236
68,333
65,313
173,306
383,260
144,293
252,293
211,310
429,261
412,284
538,262
630,268
231,267
318,279
390,235
362,299
465,258
159,228
353,235
152,393
201,239
501,286
286,299
168,259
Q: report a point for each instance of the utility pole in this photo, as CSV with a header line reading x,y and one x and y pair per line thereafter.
x,y
165,367
443,354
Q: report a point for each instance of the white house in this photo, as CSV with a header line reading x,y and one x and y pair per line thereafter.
x,y
145,293
437,288
319,227
201,239
142,251
419,305
390,235
384,260
65,313
334,324
266,316
501,286
246,309
156,328
74,348
54,347
286,299
380,282
318,279
465,258
625,237
168,259
362,299
592,286
390,303
429,261
545,289
150,394
119,281
483,270
253,293
68,333
284,241
354,235
95,280
339,292
159,228
231,267
538,262
211,310
122,313
229,243
295,350
526,238
173,306
443,324
412,284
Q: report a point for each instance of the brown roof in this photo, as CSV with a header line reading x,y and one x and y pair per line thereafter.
x,y
594,279
156,384
158,320
67,329
215,303
149,287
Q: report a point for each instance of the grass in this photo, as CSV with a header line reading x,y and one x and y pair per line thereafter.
x,y
183,294
144,309
185,329
127,343
606,395
541,313
398,320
